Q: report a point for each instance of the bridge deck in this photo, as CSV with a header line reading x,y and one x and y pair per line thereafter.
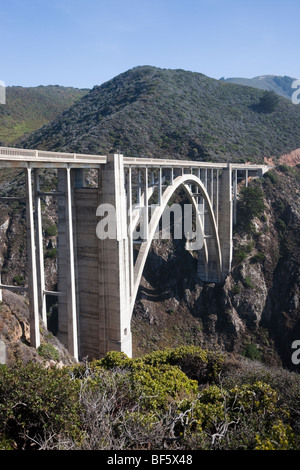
x,y
22,158
170,163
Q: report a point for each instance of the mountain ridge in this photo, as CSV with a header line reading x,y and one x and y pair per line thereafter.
x,y
281,85
164,113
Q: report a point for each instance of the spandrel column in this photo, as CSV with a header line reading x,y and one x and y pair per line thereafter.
x,y
32,266
71,287
40,248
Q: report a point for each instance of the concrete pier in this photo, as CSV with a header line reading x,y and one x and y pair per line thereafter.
x,y
114,261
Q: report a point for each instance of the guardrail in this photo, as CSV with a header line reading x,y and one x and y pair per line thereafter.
x,y
169,163
10,153
43,155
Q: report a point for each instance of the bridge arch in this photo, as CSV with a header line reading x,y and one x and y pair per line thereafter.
x,y
183,182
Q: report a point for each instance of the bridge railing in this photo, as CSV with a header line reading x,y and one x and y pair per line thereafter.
x,y
15,153
44,155
169,163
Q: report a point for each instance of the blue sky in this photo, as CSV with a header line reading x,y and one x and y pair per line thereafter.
x,y
83,43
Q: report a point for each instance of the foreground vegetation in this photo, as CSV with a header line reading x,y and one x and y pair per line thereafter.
x,y
184,398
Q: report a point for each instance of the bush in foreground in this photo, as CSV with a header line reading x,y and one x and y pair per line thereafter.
x,y
183,398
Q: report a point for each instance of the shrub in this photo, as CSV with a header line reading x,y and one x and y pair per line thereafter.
x,y
281,437
252,352
153,386
34,401
241,417
236,289
271,175
51,231
148,403
240,256
51,253
284,168
48,351
197,363
280,226
258,257
20,280
264,218
157,386
258,397
248,282
112,360
250,205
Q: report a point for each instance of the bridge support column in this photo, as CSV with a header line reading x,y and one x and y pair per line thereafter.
x,y
67,319
114,264
71,283
39,248
225,219
32,266
235,188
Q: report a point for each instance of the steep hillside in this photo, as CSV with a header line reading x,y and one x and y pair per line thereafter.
x,y
155,112
27,109
280,85
15,334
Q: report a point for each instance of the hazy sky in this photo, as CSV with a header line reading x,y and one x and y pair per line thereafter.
x,y
83,43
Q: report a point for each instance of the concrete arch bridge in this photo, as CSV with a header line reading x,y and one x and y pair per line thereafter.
x,y
100,226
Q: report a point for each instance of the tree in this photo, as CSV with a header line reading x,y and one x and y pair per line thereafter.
x,y
268,102
250,205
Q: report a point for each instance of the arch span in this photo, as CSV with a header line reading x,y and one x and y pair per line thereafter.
x,y
183,182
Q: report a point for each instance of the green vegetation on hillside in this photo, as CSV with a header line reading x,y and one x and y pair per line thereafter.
x,y
250,204
27,109
155,112
185,398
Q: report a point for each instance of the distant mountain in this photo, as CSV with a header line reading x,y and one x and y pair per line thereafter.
x,y
154,112
282,86
27,109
